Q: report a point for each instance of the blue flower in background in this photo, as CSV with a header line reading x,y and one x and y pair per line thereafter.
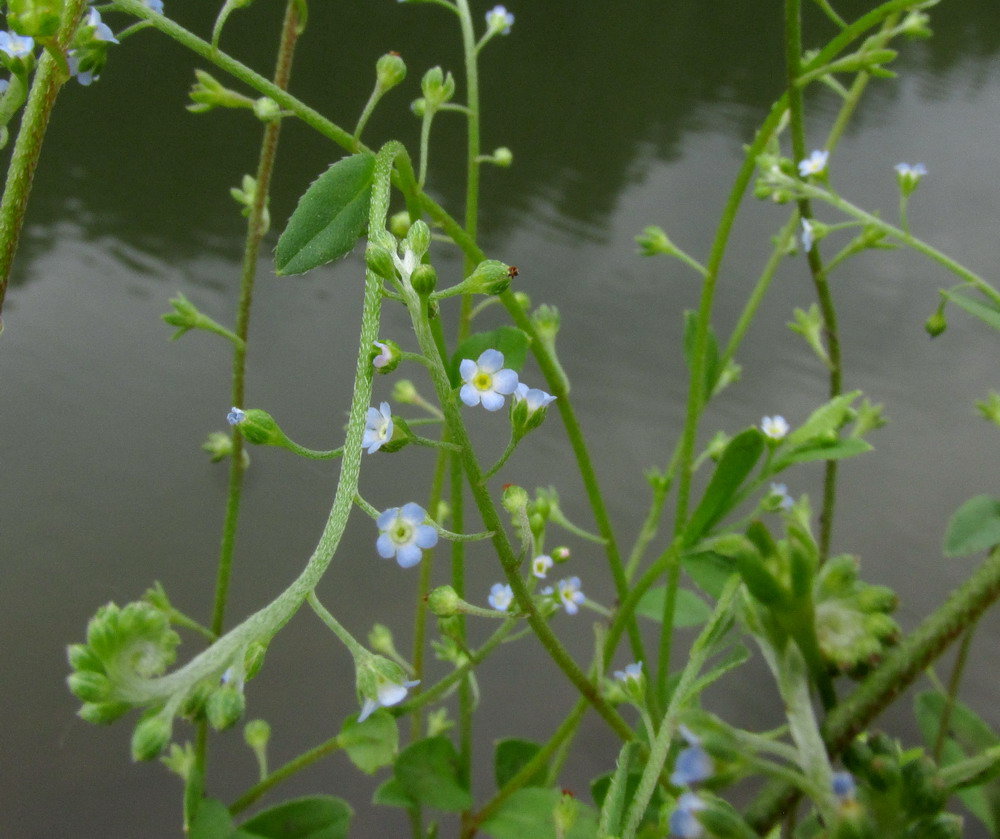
x,y
500,20
693,763
683,822
16,46
378,428
814,164
501,596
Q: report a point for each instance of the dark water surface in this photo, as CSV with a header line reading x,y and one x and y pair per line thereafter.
x,y
619,116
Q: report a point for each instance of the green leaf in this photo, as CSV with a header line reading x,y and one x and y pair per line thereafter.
x,y
391,794
330,217
988,314
739,458
427,772
212,821
509,758
826,419
315,817
527,814
975,527
689,608
837,451
509,340
371,744
709,571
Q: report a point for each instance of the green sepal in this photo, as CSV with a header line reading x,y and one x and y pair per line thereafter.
x,y
329,218
81,657
103,713
89,686
225,707
151,736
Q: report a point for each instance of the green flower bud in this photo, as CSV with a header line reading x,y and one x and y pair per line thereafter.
x,y
256,734
444,602
560,555
565,813
936,323
503,157
883,772
419,107
405,393
151,737
380,639
418,239
514,499
208,92
258,427
653,241
35,18
399,224
546,320
266,109
390,70
522,300
423,279
941,826
103,713
438,722
225,707
924,792
379,261
253,660
194,703
89,686
490,277
81,657
537,524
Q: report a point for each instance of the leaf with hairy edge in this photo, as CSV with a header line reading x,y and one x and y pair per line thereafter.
x,y
330,217
975,527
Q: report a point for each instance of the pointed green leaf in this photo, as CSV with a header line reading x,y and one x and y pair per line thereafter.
x,y
528,813
837,451
709,571
330,217
689,609
824,420
987,313
315,817
371,744
737,461
427,772
975,527
509,758
508,340
391,794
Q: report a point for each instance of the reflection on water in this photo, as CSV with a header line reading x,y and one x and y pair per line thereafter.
x,y
616,122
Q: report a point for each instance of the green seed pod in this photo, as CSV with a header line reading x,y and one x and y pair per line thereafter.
x,y
390,70
444,602
151,737
379,261
256,733
491,276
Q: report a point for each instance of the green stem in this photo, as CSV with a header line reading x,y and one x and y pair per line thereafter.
x,y
899,670
952,694
282,773
28,147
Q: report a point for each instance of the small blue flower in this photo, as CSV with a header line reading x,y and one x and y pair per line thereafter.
x,y
102,32
570,595
786,502
16,46
683,822
404,534
501,596
775,427
814,164
388,694
384,355
807,236
535,398
843,786
905,170
693,763
154,5
499,19
540,565
235,416
631,673
378,428
486,381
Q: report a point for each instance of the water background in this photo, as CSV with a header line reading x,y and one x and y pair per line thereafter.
x,y
619,116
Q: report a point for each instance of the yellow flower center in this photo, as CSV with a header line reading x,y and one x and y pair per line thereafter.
x,y
483,381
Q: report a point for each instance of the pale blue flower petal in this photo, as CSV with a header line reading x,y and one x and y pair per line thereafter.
x,y
387,518
425,537
682,821
408,555
491,400
490,361
693,764
505,382
413,513
469,395
235,415
385,546
467,369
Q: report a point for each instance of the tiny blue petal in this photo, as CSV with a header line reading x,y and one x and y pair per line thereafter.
x,y
235,416
693,764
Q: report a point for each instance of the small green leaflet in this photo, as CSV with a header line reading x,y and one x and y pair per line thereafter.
x,y
330,217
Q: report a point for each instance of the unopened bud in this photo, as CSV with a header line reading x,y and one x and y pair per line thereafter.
x,y
423,279
151,737
444,602
390,70
266,109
